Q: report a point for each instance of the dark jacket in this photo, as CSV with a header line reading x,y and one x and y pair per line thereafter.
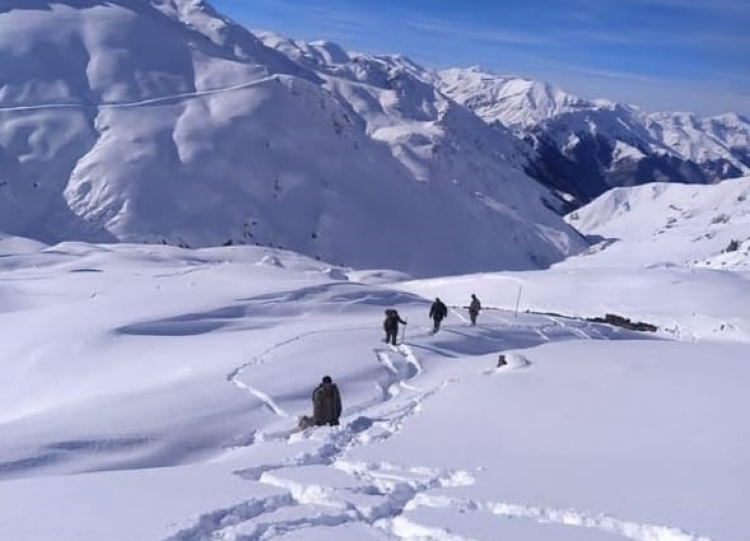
x,y
438,310
474,306
326,403
392,319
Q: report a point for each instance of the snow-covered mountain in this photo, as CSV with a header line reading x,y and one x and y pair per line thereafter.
x,y
516,103
161,121
586,147
670,225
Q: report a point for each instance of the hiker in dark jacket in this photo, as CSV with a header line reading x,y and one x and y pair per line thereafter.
x,y
474,307
390,325
438,311
326,403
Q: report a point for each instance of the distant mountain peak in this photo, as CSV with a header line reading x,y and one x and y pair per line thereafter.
x,y
588,146
516,102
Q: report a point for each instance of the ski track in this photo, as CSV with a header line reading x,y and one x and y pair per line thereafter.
x,y
384,493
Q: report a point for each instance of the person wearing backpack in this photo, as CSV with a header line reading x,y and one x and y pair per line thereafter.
x,y
438,312
326,403
390,325
474,307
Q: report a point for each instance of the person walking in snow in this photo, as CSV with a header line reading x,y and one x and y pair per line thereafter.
x,y
390,325
438,312
474,307
326,403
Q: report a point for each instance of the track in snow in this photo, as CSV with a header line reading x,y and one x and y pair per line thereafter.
x,y
380,496
159,100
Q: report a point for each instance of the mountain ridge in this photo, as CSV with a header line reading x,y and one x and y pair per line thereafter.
x,y
585,147
186,129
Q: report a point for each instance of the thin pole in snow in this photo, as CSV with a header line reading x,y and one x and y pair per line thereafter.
x,y
518,299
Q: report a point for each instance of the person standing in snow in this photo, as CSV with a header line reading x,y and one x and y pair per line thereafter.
x,y
326,403
474,307
438,312
390,325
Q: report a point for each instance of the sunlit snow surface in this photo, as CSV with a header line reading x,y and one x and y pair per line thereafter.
x,y
151,393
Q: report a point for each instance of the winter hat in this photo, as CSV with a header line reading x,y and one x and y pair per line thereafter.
x,y
327,379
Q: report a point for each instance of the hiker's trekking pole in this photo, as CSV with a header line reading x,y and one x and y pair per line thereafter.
x,y
403,333
518,299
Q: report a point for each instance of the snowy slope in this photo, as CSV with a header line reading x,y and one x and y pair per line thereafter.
x,y
673,255
586,147
150,393
670,225
702,139
161,121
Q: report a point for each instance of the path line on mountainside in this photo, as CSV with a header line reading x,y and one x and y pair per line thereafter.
x,y
141,103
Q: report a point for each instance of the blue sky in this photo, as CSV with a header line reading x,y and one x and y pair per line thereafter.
x,y
689,55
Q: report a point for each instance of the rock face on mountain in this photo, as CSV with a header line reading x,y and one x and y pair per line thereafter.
x,y
587,147
162,121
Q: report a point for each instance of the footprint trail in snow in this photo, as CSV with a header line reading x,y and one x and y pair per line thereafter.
x,y
377,497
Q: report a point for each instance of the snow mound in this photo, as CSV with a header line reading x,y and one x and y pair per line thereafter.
x,y
271,261
335,274
512,361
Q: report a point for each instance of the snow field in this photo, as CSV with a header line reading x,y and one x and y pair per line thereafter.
x,y
152,393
